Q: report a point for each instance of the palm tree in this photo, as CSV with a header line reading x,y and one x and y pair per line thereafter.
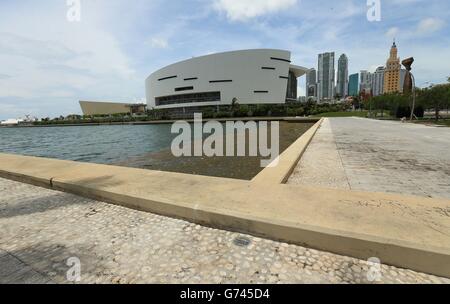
x,y
234,104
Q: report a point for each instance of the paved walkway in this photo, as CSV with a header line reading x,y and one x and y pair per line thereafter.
x,y
378,156
41,229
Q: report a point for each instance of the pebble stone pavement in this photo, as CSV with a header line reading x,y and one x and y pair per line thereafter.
x,y
40,229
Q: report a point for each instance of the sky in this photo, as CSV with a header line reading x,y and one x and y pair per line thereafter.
x,y
49,61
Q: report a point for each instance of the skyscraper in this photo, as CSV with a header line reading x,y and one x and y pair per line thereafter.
x,y
378,81
365,81
353,85
325,81
392,72
311,84
342,77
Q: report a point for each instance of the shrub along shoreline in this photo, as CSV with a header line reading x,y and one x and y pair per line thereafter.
x,y
228,111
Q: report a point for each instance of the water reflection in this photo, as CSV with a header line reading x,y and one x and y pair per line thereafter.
x,y
140,146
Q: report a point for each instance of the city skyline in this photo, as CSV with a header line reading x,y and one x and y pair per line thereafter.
x,y
388,78
48,63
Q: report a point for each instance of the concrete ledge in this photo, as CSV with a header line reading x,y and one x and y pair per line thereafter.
x,y
288,159
408,232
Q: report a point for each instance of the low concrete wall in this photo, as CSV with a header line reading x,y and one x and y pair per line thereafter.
x,y
407,232
287,161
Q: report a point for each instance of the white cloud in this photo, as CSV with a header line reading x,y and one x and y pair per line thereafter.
x,y
429,25
393,32
50,59
159,43
42,64
425,27
61,93
331,34
241,10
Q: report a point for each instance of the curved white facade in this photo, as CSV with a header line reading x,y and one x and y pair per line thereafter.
x,y
250,76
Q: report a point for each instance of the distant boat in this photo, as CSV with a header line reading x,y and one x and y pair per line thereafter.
x,y
19,121
11,122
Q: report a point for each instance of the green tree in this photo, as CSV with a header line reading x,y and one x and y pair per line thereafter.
x,y
436,97
379,102
447,97
356,102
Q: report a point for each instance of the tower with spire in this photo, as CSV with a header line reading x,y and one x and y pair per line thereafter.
x,y
392,72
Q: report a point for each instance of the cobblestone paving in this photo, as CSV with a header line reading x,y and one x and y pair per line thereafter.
x,y
379,156
321,164
41,229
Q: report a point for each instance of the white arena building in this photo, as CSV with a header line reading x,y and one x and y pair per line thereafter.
x,y
261,76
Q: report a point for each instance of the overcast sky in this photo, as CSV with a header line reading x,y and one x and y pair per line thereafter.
x,y
47,63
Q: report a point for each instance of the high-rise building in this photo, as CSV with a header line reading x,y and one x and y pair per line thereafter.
x,y
326,75
378,81
353,85
311,84
392,72
365,81
342,77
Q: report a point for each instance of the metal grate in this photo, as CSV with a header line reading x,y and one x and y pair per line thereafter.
x,y
242,241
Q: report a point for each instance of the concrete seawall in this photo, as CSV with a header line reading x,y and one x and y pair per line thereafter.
x,y
287,161
404,231
162,122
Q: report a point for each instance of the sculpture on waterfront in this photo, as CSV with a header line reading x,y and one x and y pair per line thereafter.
x,y
408,83
409,86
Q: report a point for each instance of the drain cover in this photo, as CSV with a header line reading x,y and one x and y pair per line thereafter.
x,y
242,241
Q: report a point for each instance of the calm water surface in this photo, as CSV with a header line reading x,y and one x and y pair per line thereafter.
x,y
96,144
139,146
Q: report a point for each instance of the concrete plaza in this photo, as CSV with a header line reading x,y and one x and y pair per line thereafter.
x,y
378,156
